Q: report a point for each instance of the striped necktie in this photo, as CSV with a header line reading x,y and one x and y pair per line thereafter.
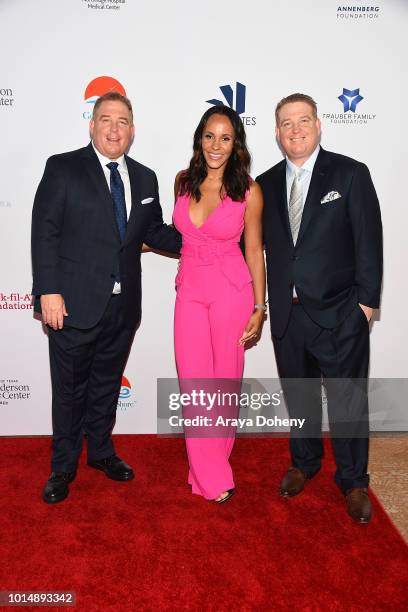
x,y
296,204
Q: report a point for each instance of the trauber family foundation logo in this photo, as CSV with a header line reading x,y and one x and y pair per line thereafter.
x,y
350,99
235,100
98,87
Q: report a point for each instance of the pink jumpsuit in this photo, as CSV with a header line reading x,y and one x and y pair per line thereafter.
x,y
214,302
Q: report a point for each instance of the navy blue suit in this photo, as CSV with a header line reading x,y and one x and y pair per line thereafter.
x,y
77,252
76,247
335,264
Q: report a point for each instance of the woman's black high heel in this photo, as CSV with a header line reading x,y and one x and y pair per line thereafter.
x,y
230,493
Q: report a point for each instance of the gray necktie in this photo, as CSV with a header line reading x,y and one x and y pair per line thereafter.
x,y
296,204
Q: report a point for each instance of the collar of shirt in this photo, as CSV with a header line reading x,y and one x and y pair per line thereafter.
x,y
291,168
105,160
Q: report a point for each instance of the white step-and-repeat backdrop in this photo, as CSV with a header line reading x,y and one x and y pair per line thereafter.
x,y
58,56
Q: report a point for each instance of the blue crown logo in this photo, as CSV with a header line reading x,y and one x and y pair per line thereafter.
x,y
350,98
228,93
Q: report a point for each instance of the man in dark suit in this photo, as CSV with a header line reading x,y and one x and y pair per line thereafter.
x,y
323,241
93,210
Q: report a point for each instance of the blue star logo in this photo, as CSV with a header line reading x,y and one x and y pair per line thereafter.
x,y
350,98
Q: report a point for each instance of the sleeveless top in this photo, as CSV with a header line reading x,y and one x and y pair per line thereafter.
x,y
216,241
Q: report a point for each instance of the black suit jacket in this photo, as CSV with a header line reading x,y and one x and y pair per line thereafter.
x,y
337,259
76,247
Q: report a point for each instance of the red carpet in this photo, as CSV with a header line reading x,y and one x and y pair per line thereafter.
x,y
151,545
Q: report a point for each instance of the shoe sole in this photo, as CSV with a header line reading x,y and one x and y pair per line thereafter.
x,y
122,479
284,493
54,501
360,521
226,498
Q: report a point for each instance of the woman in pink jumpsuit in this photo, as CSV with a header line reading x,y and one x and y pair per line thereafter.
x,y
220,296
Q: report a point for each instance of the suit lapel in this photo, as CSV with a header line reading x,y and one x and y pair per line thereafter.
x,y
282,197
94,170
316,188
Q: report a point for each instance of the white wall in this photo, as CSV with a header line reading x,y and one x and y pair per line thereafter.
x,y
171,58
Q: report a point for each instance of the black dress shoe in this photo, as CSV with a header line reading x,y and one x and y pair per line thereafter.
x,y
56,488
114,468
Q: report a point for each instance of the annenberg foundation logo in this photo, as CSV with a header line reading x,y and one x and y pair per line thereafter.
x,y
350,99
98,87
125,396
12,390
347,11
235,100
15,301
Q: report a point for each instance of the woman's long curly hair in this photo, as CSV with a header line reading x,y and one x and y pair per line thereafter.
x,y
236,180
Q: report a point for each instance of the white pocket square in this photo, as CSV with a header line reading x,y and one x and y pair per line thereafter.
x,y
329,197
147,201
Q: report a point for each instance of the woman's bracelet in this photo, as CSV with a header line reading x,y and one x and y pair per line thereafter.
x,y
261,307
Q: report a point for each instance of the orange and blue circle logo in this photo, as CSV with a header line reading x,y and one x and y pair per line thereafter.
x,y
98,87
125,389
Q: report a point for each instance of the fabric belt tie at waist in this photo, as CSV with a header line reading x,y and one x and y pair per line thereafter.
x,y
227,255
206,253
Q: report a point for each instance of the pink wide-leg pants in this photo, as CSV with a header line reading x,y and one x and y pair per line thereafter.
x,y
211,314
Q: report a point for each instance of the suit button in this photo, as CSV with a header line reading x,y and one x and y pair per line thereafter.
x,y
295,257
112,275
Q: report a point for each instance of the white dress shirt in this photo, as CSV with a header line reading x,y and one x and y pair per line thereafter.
x,y
124,175
305,179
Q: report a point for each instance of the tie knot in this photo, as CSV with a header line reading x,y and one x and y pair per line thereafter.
x,y
299,173
112,165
